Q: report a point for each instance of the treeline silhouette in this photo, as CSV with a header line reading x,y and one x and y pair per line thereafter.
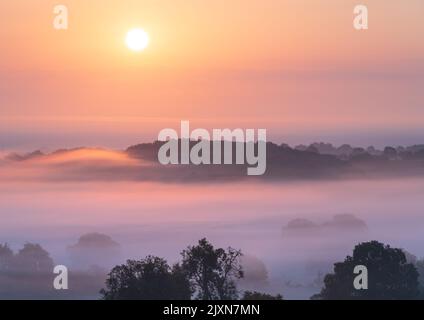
x,y
316,161
204,273
207,273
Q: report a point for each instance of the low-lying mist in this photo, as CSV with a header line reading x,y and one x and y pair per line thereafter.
x,y
296,230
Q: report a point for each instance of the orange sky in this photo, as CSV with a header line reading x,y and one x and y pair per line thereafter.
x,y
291,66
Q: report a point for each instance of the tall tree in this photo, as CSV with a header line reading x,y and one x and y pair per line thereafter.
x,y
212,272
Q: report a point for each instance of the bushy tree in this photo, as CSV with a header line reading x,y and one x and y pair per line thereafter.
x,y
390,276
148,279
212,272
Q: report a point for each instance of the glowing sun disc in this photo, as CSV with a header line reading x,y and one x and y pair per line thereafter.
x,y
137,39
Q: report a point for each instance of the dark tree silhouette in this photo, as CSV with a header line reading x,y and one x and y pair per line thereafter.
x,y
389,275
148,279
212,272
254,295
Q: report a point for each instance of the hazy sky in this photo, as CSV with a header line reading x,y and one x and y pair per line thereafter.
x,y
295,67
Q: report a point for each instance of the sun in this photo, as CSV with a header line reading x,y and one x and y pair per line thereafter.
x,y
137,39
